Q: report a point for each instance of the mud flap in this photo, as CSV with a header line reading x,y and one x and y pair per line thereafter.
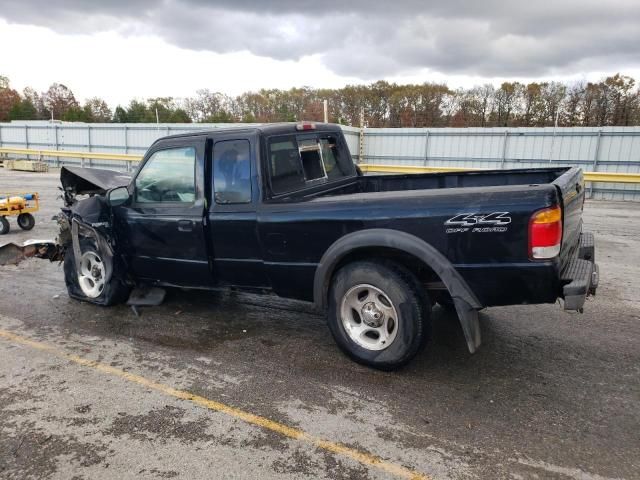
x,y
470,324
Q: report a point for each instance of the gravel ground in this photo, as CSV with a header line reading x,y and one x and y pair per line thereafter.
x,y
549,394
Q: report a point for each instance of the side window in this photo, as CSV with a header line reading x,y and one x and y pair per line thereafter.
x,y
232,172
168,176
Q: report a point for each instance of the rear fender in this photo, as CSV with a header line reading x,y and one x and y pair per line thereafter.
x,y
467,304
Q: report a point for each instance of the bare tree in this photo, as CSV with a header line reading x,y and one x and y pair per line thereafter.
x,y
98,110
58,100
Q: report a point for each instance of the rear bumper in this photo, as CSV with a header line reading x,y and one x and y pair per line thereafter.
x,y
580,276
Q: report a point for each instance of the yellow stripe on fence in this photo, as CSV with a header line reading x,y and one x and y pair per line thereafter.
x,y
588,176
71,154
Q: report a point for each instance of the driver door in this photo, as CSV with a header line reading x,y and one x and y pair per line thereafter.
x,y
163,224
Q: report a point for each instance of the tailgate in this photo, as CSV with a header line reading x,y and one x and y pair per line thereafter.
x,y
571,188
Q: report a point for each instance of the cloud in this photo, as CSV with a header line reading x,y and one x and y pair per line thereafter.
x,y
372,39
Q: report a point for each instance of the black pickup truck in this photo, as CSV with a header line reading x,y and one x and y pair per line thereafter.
x,y
283,209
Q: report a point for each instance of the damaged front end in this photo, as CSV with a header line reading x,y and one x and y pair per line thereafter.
x,y
88,217
89,181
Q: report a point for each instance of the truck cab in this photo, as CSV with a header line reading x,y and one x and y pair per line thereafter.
x,y
210,209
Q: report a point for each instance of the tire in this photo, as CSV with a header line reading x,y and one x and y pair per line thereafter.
x,y
79,285
374,293
4,226
26,221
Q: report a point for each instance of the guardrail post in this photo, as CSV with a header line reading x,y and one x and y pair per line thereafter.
x,y
361,146
504,148
26,138
596,156
426,148
126,147
88,142
57,133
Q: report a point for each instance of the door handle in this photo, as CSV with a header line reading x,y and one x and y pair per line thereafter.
x,y
185,225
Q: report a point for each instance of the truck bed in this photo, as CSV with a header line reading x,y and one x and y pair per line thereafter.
x,y
489,178
427,181
423,204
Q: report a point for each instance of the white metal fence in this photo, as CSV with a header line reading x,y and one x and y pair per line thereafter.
x,y
605,149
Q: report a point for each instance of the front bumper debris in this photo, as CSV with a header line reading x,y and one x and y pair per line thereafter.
x,y
13,254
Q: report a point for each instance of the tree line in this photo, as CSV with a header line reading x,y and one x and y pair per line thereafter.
x,y
614,100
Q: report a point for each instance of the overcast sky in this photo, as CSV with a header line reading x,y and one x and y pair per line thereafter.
x,y
120,49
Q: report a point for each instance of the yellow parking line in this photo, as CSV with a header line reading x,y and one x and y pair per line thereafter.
x,y
277,427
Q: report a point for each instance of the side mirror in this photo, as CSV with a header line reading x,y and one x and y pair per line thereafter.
x,y
117,196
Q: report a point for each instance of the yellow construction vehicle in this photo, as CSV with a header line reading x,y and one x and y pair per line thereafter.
x,y
20,204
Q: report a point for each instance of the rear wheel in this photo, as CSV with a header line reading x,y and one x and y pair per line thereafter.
x,y
26,221
378,314
4,226
90,283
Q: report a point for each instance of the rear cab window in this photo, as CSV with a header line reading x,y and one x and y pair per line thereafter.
x,y
300,161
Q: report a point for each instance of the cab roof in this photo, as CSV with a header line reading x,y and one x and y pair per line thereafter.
x,y
266,129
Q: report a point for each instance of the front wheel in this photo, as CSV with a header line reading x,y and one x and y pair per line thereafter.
x,y
378,314
90,283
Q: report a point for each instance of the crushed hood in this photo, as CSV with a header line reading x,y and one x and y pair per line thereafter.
x,y
81,181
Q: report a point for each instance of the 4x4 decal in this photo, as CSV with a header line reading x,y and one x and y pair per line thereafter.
x,y
478,222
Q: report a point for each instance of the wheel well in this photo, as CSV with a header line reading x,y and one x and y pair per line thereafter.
x,y
415,265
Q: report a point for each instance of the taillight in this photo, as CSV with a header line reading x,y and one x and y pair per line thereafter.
x,y
545,233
